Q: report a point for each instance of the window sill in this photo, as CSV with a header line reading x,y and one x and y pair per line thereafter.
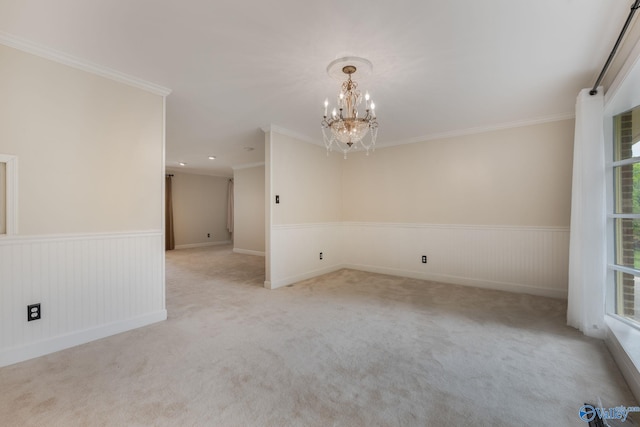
x,y
623,340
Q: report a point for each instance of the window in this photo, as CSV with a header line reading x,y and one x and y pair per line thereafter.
x,y
8,194
626,214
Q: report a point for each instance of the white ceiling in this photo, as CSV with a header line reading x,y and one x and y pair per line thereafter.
x,y
235,67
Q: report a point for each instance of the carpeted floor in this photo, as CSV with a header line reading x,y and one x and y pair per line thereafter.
x,y
345,349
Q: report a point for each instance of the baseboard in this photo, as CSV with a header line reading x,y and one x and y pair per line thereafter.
x,y
618,337
248,252
464,281
442,278
200,245
51,345
300,277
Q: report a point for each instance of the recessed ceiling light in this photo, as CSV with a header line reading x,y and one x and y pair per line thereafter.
x,y
212,157
182,164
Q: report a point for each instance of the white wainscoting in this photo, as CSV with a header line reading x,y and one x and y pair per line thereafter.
x,y
202,245
89,287
248,252
295,252
531,260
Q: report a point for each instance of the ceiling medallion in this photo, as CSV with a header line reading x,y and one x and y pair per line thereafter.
x,y
346,129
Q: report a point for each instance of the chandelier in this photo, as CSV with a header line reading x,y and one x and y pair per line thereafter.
x,y
346,128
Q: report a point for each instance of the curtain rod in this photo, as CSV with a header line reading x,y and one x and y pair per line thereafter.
x,y
634,7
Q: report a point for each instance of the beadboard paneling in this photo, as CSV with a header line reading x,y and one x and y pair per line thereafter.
x,y
531,260
295,251
89,286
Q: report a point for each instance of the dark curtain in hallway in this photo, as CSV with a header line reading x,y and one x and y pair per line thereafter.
x,y
170,242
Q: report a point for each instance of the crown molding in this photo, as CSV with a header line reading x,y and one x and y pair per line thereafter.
x,y
290,133
247,166
80,64
480,129
436,136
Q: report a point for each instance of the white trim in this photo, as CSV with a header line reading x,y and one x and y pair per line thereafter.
x,y
463,281
40,348
441,278
436,136
268,211
624,269
457,226
479,130
300,277
248,252
201,245
623,341
309,225
421,225
11,195
625,162
80,64
482,275
625,70
623,216
163,225
247,166
10,240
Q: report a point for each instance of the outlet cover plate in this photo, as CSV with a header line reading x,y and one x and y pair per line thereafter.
x,y
33,312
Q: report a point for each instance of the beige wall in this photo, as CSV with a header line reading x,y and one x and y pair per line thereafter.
x,y
307,181
519,176
199,207
89,149
249,209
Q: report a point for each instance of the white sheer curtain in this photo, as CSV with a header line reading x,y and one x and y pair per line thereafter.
x,y
587,247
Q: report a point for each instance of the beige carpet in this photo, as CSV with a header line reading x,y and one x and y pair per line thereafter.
x,y
346,349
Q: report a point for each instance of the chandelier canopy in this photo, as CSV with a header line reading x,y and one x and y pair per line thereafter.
x,y
347,128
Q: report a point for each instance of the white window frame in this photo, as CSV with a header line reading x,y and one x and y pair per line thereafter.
x,y
11,194
622,337
611,296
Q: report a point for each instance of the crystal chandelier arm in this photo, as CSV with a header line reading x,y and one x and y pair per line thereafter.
x,y
328,141
373,134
